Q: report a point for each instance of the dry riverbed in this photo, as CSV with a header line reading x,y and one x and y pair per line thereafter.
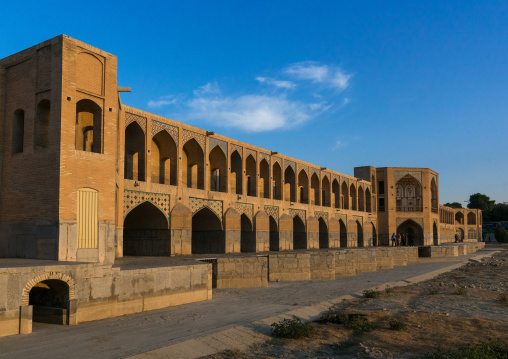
x,y
465,306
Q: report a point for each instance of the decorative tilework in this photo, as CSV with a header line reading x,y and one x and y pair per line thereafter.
x,y
187,135
245,208
264,156
131,199
317,172
345,179
273,211
415,174
237,148
198,203
159,126
277,160
305,168
335,177
215,142
357,218
342,217
288,163
298,212
251,152
323,215
130,117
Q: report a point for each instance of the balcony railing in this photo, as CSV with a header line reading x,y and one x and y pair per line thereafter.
x,y
409,209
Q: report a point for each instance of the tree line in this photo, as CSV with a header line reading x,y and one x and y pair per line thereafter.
x,y
491,211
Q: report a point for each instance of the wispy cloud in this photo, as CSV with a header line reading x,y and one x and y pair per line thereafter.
x,y
209,88
323,74
276,83
252,113
163,101
339,144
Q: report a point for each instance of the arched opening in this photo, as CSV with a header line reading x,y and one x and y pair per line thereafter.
x,y
299,234
274,235
344,196
359,234
408,194
433,195
413,232
250,170
145,232
264,176
134,152
361,199
434,234
41,133
314,184
323,234
218,170
50,301
352,195
343,234
193,165
368,205
325,192
88,130
18,131
303,187
277,181
164,164
236,173
207,234
460,233
459,218
471,219
374,236
289,185
248,237
336,194
471,234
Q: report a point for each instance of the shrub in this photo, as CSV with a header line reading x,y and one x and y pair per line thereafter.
x,y
503,298
292,328
462,291
482,350
371,293
434,291
396,325
388,290
337,318
358,323
501,234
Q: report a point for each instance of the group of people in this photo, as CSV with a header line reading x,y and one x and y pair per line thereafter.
x,y
402,240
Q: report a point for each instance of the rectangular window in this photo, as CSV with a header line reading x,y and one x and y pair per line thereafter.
x,y
381,206
87,217
381,187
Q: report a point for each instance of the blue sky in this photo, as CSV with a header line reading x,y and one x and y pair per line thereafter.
x,y
336,83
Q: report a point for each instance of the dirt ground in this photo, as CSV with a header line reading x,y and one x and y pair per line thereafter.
x,y
465,306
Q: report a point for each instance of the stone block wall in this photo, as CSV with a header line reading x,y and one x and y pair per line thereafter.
x,y
242,272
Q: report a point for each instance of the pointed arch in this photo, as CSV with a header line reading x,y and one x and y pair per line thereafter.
x,y
193,172
324,242
88,129
277,181
134,152
303,187
274,234
251,173
315,189
164,159
264,179
413,232
299,233
336,202
459,218
471,218
289,185
361,199
325,192
433,195
344,195
218,170
353,197
368,205
207,233
343,234
248,235
359,234
236,183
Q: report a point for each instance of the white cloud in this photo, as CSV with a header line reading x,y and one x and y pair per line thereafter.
x,y
276,83
167,100
339,144
209,88
252,113
323,74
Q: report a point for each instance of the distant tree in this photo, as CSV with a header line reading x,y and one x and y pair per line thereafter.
x,y
501,234
453,205
499,212
480,201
